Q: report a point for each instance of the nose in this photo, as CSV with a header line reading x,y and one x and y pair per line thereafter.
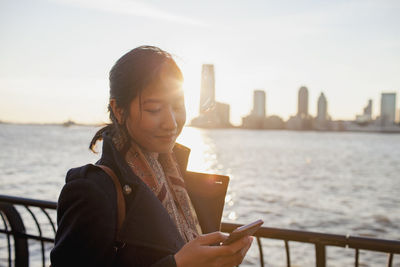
x,y
169,120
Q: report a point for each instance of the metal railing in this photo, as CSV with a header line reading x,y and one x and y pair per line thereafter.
x,y
14,227
321,241
17,237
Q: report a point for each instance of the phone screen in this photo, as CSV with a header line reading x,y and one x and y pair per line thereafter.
x,y
242,231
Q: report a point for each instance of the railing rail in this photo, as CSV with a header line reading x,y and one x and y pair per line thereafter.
x,y
321,240
14,228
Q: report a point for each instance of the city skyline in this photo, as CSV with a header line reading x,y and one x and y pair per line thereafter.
x,y
56,54
388,106
211,114
302,120
388,103
214,114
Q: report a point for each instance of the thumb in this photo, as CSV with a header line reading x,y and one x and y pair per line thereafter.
x,y
212,238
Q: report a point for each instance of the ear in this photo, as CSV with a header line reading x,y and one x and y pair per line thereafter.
x,y
118,112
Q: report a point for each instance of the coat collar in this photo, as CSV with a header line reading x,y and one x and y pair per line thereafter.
x,y
112,158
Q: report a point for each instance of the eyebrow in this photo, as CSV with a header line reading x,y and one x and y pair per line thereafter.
x,y
152,100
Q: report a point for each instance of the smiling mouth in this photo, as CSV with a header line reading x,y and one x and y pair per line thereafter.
x,y
167,137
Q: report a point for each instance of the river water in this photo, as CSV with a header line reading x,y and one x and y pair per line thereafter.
x,y
339,183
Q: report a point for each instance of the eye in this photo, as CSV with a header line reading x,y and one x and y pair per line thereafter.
x,y
153,111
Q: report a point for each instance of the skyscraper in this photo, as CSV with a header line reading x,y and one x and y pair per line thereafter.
x,y
322,113
302,106
388,108
259,103
366,117
212,114
368,109
256,119
207,91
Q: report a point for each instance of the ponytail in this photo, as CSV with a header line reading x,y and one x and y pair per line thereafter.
x,y
115,130
99,136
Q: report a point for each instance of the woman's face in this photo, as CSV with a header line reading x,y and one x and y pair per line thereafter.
x,y
156,118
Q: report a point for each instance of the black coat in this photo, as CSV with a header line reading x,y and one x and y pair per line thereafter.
x,y
87,215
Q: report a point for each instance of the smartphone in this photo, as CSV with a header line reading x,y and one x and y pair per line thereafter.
x,y
242,231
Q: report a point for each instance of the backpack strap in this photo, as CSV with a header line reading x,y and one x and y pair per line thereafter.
x,y
120,196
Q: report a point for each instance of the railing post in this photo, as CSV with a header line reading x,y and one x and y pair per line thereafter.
x,y
260,249
288,263
357,258
320,255
17,226
390,260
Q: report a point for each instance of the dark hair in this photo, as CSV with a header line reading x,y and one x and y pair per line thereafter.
x,y
128,77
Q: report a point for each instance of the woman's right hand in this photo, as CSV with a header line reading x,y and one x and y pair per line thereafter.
x,y
200,252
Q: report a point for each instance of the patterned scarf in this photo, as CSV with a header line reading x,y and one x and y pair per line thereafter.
x,y
164,178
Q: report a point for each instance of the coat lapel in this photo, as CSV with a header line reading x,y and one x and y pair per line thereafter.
x,y
148,223
206,191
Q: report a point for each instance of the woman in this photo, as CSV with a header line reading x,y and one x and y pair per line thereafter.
x,y
161,226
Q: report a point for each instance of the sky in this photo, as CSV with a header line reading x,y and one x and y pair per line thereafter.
x,y
55,55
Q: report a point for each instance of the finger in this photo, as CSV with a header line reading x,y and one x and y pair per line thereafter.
x,y
211,238
232,260
244,250
235,246
249,245
238,257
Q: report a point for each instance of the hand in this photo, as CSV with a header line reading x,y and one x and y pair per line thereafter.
x,y
200,252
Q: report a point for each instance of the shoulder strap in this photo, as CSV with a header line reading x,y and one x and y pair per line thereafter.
x,y
120,196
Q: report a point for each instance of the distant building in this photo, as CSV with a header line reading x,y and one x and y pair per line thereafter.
x,y
274,122
259,103
223,114
368,109
293,123
322,109
257,116
322,121
212,114
302,121
207,91
388,108
252,122
298,123
302,107
366,117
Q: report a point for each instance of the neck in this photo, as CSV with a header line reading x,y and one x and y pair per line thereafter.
x,y
154,154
